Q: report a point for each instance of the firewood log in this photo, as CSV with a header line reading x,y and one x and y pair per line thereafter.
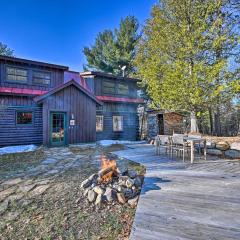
x,y
105,171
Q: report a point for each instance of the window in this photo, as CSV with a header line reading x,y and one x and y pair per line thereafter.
x,y
108,87
41,77
117,123
123,89
99,123
24,118
115,88
17,74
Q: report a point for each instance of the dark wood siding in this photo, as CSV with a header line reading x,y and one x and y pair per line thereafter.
x,y
71,101
110,109
12,134
130,121
98,83
57,76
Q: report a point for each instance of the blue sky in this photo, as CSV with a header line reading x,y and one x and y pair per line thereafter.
x,y
56,31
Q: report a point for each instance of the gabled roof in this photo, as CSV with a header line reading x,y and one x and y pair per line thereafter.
x,y
67,84
108,75
32,62
72,75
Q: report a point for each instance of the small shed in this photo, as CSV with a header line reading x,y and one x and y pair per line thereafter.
x,y
160,122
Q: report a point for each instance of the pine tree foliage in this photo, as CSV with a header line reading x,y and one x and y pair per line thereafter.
x,y
5,50
114,49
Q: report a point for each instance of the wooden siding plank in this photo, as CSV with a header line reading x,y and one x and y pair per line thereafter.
x,y
57,76
130,121
12,134
71,100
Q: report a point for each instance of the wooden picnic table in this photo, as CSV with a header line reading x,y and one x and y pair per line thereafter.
x,y
192,141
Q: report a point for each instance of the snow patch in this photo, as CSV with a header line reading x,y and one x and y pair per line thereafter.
x,y
17,149
106,143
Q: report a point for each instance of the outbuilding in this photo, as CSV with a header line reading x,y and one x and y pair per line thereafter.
x,y
160,122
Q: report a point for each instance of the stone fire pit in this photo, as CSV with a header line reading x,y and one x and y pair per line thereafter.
x,y
112,185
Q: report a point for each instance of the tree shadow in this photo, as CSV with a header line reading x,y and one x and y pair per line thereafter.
x,y
151,184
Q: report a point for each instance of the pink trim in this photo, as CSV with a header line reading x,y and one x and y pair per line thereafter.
x,y
24,91
118,99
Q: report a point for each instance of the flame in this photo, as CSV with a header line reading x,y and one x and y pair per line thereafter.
x,y
108,164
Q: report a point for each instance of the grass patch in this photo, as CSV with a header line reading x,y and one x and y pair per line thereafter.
x,y
62,212
83,151
16,162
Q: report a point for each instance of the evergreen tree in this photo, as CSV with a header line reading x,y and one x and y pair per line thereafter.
x,y
101,55
223,46
176,59
114,49
5,50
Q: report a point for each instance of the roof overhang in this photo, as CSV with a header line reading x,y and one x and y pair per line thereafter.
x,y
107,75
21,91
32,62
41,98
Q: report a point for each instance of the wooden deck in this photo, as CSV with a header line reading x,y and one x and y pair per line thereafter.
x,y
184,201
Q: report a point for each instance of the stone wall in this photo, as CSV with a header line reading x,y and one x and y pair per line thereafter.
x,y
173,123
223,149
152,125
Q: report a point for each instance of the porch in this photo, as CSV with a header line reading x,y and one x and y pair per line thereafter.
x,y
184,201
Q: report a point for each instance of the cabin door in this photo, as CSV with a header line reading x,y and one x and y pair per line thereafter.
x,y
58,129
160,124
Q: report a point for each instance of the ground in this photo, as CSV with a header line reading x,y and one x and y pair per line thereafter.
x,y
41,198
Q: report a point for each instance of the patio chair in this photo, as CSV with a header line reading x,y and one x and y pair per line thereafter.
x,y
162,141
179,145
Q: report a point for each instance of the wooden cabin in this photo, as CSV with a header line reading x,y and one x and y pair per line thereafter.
x,y
38,107
117,118
43,103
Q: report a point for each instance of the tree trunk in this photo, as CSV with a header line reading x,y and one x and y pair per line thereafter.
x,y
210,120
217,123
200,124
194,126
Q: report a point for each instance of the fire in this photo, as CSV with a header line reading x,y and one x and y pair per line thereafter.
x,y
108,169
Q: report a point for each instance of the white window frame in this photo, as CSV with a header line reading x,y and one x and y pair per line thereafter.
x,y
34,77
16,75
101,123
120,126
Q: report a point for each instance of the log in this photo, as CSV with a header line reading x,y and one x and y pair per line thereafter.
x,y
105,171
